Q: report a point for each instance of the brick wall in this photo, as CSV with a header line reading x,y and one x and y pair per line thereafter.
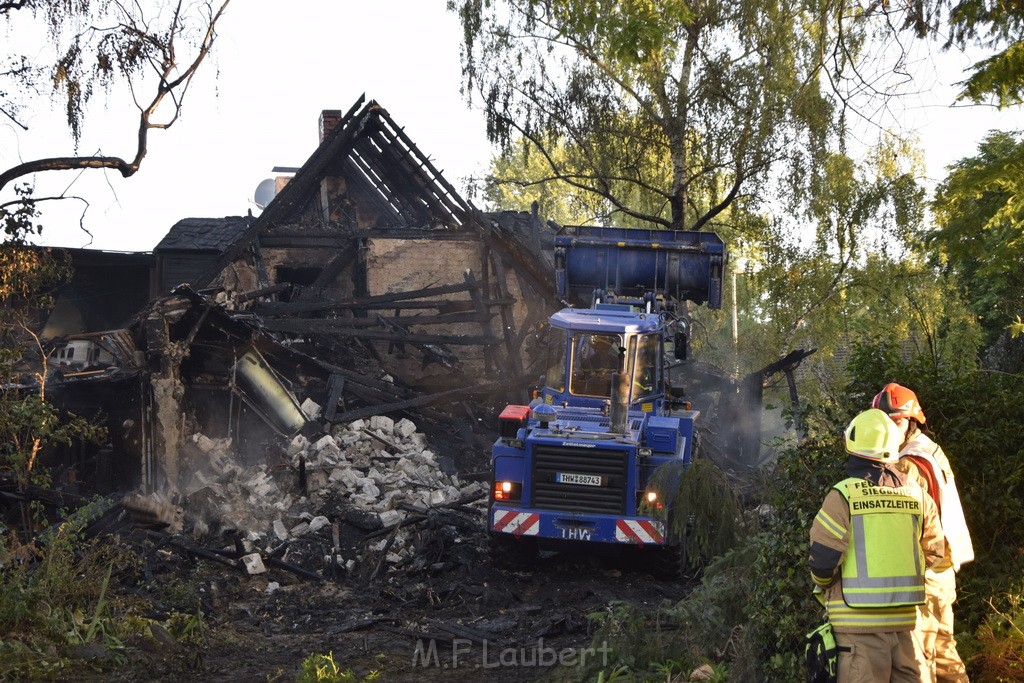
x,y
329,118
401,265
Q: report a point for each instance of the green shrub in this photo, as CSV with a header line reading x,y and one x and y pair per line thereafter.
x,y
705,508
646,645
999,643
54,597
318,668
781,609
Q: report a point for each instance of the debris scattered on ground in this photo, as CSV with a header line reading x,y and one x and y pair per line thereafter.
x,y
368,497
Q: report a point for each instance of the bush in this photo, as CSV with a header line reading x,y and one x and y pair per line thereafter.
x,y
676,637
318,668
54,597
780,608
975,416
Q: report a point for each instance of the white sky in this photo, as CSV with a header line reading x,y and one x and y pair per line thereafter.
x,y
256,105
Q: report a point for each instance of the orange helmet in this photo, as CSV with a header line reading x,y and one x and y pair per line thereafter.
x,y
898,401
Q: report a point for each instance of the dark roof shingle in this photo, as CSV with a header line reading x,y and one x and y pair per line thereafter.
x,y
203,234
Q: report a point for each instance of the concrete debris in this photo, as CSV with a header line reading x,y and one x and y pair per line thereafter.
x,y
383,423
375,469
391,517
404,428
210,446
298,445
311,409
254,563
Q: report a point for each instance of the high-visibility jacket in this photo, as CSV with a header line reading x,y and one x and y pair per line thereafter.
x,y
869,549
884,565
924,458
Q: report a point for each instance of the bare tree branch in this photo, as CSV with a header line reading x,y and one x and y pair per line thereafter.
x,y
172,84
13,5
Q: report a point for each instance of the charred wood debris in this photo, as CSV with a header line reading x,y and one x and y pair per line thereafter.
x,y
272,439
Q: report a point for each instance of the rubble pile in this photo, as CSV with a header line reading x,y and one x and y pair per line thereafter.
x,y
355,492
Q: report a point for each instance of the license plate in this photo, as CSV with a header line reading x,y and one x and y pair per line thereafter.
x,y
572,478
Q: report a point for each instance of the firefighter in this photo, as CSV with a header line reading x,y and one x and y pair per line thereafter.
x,y
876,532
924,461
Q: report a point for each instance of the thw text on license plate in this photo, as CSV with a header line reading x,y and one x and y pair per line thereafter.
x,y
573,478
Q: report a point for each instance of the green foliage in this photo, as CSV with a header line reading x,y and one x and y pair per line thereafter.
x,y
1000,642
519,178
756,605
188,628
991,25
1016,328
705,509
180,594
810,302
780,609
679,637
615,675
980,237
26,275
976,419
999,77
318,668
54,589
840,269
53,597
28,423
979,24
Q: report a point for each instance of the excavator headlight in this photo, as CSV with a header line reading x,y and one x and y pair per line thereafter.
x,y
649,501
644,452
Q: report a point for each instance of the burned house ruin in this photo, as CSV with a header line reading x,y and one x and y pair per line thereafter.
x,y
367,285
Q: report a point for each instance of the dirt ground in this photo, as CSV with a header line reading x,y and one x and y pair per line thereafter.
x,y
487,625
470,622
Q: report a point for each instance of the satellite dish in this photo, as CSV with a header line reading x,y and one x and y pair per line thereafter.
x,y
265,192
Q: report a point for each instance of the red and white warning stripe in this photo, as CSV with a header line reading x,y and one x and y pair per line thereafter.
x,y
639,531
518,523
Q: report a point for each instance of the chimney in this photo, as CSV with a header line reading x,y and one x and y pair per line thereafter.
x,y
329,118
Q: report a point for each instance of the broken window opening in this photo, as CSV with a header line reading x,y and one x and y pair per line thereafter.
x,y
300,276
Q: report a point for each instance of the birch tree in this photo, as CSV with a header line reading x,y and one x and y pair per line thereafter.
x,y
729,94
153,48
